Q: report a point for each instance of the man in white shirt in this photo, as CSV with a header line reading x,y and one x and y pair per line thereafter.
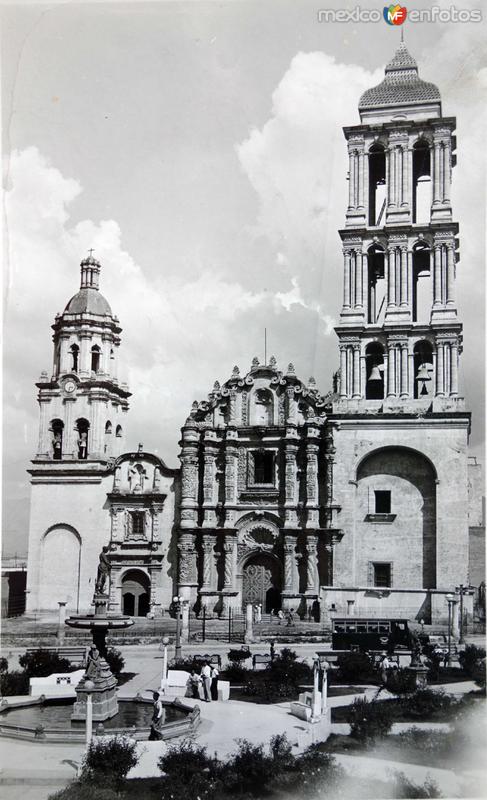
x,y
206,678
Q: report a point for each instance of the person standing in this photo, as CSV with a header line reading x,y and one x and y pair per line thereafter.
x,y
385,666
206,678
214,682
194,682
158,717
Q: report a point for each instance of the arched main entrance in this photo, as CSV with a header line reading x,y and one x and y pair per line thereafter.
x,y
261,582
135,593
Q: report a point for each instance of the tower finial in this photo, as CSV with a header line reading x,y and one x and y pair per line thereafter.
x,y
90,271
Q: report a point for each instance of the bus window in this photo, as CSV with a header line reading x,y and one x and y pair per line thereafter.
x,y
339,627
361,627
384,627
351,627
373,627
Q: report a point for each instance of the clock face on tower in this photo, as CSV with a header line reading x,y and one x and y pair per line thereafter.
x,y
69,387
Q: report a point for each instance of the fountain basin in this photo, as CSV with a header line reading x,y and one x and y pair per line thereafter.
x,y
48,719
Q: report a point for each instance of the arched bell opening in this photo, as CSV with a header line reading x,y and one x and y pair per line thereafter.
x,y
422,291
376,283
377,184
421,181
82,428
57,428
374,364
423,370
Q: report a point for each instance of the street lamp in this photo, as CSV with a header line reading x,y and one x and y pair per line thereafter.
x,y
461,591
450,599
88,687
177,605
272,640
165,642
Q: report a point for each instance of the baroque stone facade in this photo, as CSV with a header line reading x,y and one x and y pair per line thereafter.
x,y
355,502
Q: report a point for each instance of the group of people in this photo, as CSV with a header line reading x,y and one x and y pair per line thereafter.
x,y
207,681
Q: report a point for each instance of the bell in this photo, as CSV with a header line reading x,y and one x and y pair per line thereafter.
x,y
423,373
374,374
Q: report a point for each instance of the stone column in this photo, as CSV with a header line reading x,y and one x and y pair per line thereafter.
x,y
291,483
189,477
291,406
404,276
450,278
68,432
289,564
356,370
187,571
95,446
64,357
85,354
208,562
346,280
358,280
229,562
343,371
392,176
400,168
447,172
411,375
44,447
388,177
105,354
209,480
312,499
361,180
436,173
437,298
454,369
404,370
440,385
391,373
410,279
365,281
350,180
312,578
391,300
231,466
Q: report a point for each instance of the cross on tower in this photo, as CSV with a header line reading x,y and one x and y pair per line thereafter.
x,y
91,251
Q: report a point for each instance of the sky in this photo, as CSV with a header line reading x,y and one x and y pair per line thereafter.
x,y
198,148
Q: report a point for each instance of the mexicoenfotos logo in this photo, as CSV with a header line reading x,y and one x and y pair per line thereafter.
x,y
395,15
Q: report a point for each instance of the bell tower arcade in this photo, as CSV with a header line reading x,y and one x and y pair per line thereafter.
x,y
399,335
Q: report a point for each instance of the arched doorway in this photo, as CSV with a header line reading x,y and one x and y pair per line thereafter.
x,y
135,593
261,582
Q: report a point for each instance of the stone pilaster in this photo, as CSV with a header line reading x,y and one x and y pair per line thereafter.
x,y
187,561
291,585
69,444
312,498
312,577
189,475
229,550
209,480
291,484
231,475
208,547
44,447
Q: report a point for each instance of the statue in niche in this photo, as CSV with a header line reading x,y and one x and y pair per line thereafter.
x,y
136,475
263,407
83,445
103,572
57,445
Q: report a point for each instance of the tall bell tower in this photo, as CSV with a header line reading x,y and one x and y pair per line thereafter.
x,y
399,335
400,426
82,404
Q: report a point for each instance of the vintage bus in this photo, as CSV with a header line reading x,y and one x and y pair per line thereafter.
x,y
350,633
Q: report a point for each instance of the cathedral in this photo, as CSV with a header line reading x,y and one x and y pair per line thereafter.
x,y
352,502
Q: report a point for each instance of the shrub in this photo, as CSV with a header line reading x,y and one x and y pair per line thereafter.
x,y
236,673
109,759
249,769
12,683
353,667
286,669
86,791
3,665
400,681
270,691
318,774
470,658
478,674
115,661
369,721
238,655
402,787
424,703
189,772
187,664
42,663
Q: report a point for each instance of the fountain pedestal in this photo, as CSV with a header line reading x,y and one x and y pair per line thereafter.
x,y
103,693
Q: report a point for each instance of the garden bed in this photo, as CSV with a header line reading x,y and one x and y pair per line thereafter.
x,y
400,710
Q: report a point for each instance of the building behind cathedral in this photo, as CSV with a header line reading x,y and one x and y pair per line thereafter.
x,y
352,502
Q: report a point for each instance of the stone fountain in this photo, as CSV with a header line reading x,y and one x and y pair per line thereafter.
x,y
98,680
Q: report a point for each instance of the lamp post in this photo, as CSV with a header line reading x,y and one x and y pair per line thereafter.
x,y
272,647
165,642
88,687
177,605
462,590
450,599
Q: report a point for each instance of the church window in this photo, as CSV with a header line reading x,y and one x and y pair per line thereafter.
x,y
263,467
82,427
118,431
108,436
57,427
137,523
421,181
382,574
95,358
74,357
377,184
382,502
